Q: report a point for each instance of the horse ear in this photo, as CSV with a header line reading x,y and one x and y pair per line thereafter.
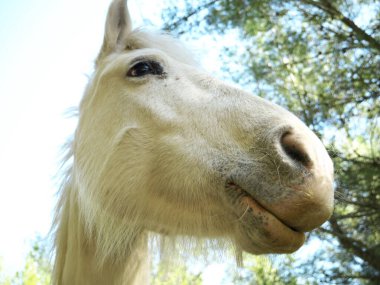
x,y
118,26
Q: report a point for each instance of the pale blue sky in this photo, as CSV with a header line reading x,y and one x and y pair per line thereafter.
x,y
46,49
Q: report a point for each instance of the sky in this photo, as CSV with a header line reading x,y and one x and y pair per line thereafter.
x,y
46,55
47,49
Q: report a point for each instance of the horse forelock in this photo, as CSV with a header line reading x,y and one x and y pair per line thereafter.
x,y
142,38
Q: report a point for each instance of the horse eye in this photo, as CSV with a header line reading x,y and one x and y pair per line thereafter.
x,y
144,68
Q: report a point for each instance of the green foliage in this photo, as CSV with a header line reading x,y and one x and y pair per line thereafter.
x,y
173,275
321,60
36,271
263,270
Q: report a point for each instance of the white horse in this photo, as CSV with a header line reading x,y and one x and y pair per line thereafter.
x,y
162,147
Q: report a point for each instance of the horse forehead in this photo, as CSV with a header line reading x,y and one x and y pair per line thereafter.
x,y
172,47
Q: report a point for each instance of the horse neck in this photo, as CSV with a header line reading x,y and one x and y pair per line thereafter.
x,y
76,260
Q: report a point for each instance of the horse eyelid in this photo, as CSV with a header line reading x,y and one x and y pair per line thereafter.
x,y
140,59
156,66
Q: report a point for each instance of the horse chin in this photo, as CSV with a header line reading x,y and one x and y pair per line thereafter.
x,y
258,230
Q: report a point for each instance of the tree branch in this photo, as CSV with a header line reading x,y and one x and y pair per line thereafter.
x,y
328,7
175,25
358,248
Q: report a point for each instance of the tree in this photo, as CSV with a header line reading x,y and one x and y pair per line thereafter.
x,y
263,270
161,275
321,60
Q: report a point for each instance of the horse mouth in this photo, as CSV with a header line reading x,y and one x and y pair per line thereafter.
x,y
263,231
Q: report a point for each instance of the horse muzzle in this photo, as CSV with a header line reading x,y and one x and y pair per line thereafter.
x,y
277,212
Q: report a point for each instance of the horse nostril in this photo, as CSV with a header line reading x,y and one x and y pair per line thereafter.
x,y
294,148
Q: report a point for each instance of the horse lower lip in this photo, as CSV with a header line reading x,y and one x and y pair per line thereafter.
x,y
245,195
